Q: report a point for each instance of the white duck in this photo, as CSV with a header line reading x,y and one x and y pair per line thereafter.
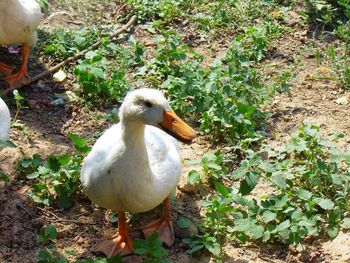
x,y
5,121
134,166
19,20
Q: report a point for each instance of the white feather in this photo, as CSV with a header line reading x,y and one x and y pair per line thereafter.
x,y
5,121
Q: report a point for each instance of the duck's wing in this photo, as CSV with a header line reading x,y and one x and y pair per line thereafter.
x,y
99,160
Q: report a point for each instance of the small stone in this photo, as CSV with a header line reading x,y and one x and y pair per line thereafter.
x,y
342,100
39,222
187,188
59,101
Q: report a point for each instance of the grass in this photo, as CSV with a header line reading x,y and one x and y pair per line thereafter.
x,y
307,177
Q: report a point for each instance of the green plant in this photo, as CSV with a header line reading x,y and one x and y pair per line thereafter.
x,y
328,12
151,249
19,104
212,165
93,79
57,180
218,218
154,9
225,98
44,5
65,43
309,180
4,178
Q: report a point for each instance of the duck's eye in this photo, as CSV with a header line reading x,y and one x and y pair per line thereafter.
x,y
148,104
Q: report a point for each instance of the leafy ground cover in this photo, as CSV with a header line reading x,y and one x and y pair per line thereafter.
x,y
264,82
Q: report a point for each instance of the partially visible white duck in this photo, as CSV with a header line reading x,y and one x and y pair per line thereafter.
x,y
19,20
134,166
5,121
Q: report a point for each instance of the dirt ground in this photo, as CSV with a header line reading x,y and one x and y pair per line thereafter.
x,y
82,226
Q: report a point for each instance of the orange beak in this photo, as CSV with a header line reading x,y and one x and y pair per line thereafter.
x,y
173,124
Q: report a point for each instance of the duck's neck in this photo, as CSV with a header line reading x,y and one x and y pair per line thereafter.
x,y
133,133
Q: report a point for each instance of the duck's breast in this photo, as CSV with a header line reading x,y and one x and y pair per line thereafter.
x,y
165,160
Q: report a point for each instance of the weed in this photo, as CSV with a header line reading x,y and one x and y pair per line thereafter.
x,y
19,105
166,10
57,180
225,97
4,178
328,12
151,249
212,165
44,5
309,197
65,43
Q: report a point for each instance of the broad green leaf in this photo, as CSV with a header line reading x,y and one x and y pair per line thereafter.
x,y
238,173
51,232
332,231
215,166
249,183
304,194
267,167
269,216
284,225
194,177
324,203
184,222
256,231
279,181
53,163
221,189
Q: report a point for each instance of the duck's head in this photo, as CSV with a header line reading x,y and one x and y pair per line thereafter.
x,y
150,107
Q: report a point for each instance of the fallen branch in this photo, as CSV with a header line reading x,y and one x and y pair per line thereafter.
x,y
43,74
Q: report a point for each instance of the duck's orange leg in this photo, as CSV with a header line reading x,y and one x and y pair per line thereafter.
x,y
6,70
21,77
163,226
119,243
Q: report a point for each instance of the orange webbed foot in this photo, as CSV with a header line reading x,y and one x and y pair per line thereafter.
x,y
165,229
20,78
120,243
114,245
163,226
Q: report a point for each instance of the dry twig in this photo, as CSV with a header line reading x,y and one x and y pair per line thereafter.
x,y
59,219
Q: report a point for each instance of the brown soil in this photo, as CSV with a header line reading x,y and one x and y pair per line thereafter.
x,y
46,127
